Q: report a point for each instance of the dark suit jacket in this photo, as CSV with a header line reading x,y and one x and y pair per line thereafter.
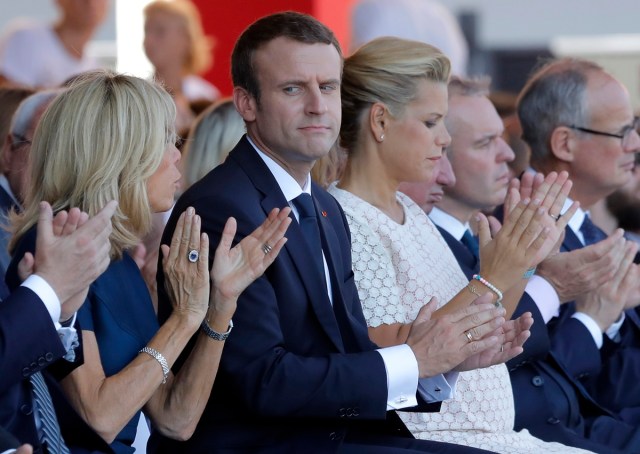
x,y
29,343
548,402
295,373
609,373
6,204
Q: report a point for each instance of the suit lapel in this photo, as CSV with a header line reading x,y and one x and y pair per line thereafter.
x,y
296,247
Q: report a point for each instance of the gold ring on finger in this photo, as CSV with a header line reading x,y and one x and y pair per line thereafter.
x,y
469,336
555,217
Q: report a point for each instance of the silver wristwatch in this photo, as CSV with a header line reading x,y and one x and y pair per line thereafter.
x,y
214,334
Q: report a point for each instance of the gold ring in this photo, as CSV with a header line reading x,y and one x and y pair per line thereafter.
x,y
469,336
554,217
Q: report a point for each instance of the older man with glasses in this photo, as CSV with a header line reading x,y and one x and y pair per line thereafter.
x,y
577,117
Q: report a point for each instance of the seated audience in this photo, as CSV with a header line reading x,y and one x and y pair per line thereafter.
x,y
479,158
394,100
45,55
178,49
300,373
577,117
131,157
38,338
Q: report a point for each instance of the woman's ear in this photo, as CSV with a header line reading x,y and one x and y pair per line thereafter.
x,y
378,121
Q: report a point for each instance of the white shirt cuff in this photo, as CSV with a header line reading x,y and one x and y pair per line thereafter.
x,y
592,326
545,297
48,296
614,328
402,376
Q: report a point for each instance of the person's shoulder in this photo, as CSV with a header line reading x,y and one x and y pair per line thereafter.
x,y
23,30
195,88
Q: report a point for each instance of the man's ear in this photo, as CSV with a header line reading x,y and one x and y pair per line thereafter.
x,y
378,121
563,143
245,103
5,153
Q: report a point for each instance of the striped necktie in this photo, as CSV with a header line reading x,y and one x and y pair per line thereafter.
x,y
591,233
50,428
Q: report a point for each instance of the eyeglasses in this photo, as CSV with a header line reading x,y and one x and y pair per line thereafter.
x,y
624,135
17,141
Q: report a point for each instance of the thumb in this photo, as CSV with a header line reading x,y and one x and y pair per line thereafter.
x,y
484,233
25,266
427,310
45,219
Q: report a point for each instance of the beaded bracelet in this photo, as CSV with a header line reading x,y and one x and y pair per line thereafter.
x,y
491,287
160,358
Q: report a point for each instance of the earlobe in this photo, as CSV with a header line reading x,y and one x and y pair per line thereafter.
x,y
563,144
378,121
245,104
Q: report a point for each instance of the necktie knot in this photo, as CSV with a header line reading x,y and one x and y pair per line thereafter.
x,y
304,204
471,243
591,233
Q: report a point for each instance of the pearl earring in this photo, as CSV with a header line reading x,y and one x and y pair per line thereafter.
x,y
381,137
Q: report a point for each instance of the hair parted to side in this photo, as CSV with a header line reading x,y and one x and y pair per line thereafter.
x,y
554,95
289,24
386,70
213,135
99,141
200,57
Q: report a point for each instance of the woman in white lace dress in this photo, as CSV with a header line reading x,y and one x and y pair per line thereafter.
x,y
394,97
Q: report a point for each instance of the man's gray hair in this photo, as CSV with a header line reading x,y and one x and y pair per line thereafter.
x,y
26,112
555,95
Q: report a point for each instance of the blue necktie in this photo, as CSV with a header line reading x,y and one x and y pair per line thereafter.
x,y
309,225
50,428
591,233
471,243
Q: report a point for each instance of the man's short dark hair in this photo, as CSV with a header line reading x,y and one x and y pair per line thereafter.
x,y
289,24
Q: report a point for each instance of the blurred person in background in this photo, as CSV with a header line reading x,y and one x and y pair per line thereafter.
x,y
45,55
178,49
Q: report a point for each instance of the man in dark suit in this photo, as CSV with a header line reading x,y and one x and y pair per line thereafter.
x,y
299,373
72,253
579,118
549,402
14,164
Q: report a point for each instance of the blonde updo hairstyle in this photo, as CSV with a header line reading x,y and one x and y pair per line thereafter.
x,y
386,70
98,141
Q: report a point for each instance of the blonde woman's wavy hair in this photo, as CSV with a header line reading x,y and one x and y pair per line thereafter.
x,y
98,141
386,70
200,56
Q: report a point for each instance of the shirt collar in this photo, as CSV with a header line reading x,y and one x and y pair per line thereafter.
x,y
7,188
288,185
576,220
448,223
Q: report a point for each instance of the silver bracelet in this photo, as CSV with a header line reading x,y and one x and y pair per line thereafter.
x,y
214,334
160,358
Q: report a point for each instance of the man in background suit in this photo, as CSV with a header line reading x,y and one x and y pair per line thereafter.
x,y
16,171
548,402
577,117
72,253
299,373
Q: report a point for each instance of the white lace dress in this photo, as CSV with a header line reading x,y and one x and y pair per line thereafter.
x,y
397,269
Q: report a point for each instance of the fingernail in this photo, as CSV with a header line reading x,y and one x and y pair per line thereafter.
x,y
526,201
536,201
190,211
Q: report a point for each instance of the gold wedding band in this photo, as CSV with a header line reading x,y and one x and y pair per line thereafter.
x,y
469,336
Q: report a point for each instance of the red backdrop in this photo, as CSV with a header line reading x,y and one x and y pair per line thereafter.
x,y
225,21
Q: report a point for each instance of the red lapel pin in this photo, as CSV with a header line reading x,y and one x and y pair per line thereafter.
x,y
324,214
